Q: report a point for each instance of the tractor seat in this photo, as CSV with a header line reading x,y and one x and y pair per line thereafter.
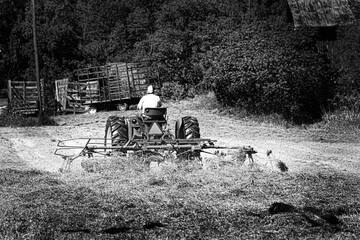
x,y
155,114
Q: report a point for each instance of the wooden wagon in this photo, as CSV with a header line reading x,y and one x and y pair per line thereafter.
x,y
114,84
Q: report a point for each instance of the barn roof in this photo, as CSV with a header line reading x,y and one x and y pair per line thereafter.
x,y
323,13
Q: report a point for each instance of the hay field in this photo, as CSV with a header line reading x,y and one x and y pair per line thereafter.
x,y
122,198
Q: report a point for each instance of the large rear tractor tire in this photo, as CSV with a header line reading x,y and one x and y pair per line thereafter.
x,y
191,127
187,128
116,131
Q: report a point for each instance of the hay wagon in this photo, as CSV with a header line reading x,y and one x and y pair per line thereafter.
x,y
114,84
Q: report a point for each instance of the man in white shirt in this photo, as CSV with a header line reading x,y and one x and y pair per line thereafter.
x,y
150,100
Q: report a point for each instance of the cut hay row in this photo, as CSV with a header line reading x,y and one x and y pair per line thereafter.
x,y
124,199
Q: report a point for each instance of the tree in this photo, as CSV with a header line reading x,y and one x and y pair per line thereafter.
x,y
345,54
11,13
266,67
176,41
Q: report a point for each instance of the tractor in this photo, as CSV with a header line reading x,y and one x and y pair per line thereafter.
x,y
145,135
149,131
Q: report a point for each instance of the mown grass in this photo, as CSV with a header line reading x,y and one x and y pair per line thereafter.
x,y
121,198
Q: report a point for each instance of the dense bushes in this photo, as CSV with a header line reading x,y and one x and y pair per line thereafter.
x,y
9,118
268,68
345,54
176,91
261,66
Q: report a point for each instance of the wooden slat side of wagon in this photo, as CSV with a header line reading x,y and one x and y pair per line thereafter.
x,y
115,84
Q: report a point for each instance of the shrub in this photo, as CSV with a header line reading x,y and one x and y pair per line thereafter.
x,y
10,118
269,68
176,91
345,53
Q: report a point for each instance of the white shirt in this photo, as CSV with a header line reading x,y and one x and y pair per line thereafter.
x,y
149,101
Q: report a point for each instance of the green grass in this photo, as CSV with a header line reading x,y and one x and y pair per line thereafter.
x,y
122,199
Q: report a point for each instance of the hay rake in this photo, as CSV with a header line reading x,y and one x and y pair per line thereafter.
x,y
162,148
146,135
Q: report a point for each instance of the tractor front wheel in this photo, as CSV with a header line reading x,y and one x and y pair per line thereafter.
x,y
116,131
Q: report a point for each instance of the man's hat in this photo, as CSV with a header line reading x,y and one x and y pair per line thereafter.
x,y
150,89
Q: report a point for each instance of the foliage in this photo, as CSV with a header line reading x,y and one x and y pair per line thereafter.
x,y
196,43
176,91
342,120
11,17
178,39
173,91
9,118
268,68
345,54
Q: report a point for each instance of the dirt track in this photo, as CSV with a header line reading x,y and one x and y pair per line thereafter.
x,y
301,149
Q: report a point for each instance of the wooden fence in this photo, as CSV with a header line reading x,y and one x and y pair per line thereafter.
x,y
23,96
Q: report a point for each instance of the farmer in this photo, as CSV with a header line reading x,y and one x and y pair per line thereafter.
x,y
150,100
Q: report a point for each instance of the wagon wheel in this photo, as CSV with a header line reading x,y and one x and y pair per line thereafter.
x,y
187,128
123,107
116,131
92,109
